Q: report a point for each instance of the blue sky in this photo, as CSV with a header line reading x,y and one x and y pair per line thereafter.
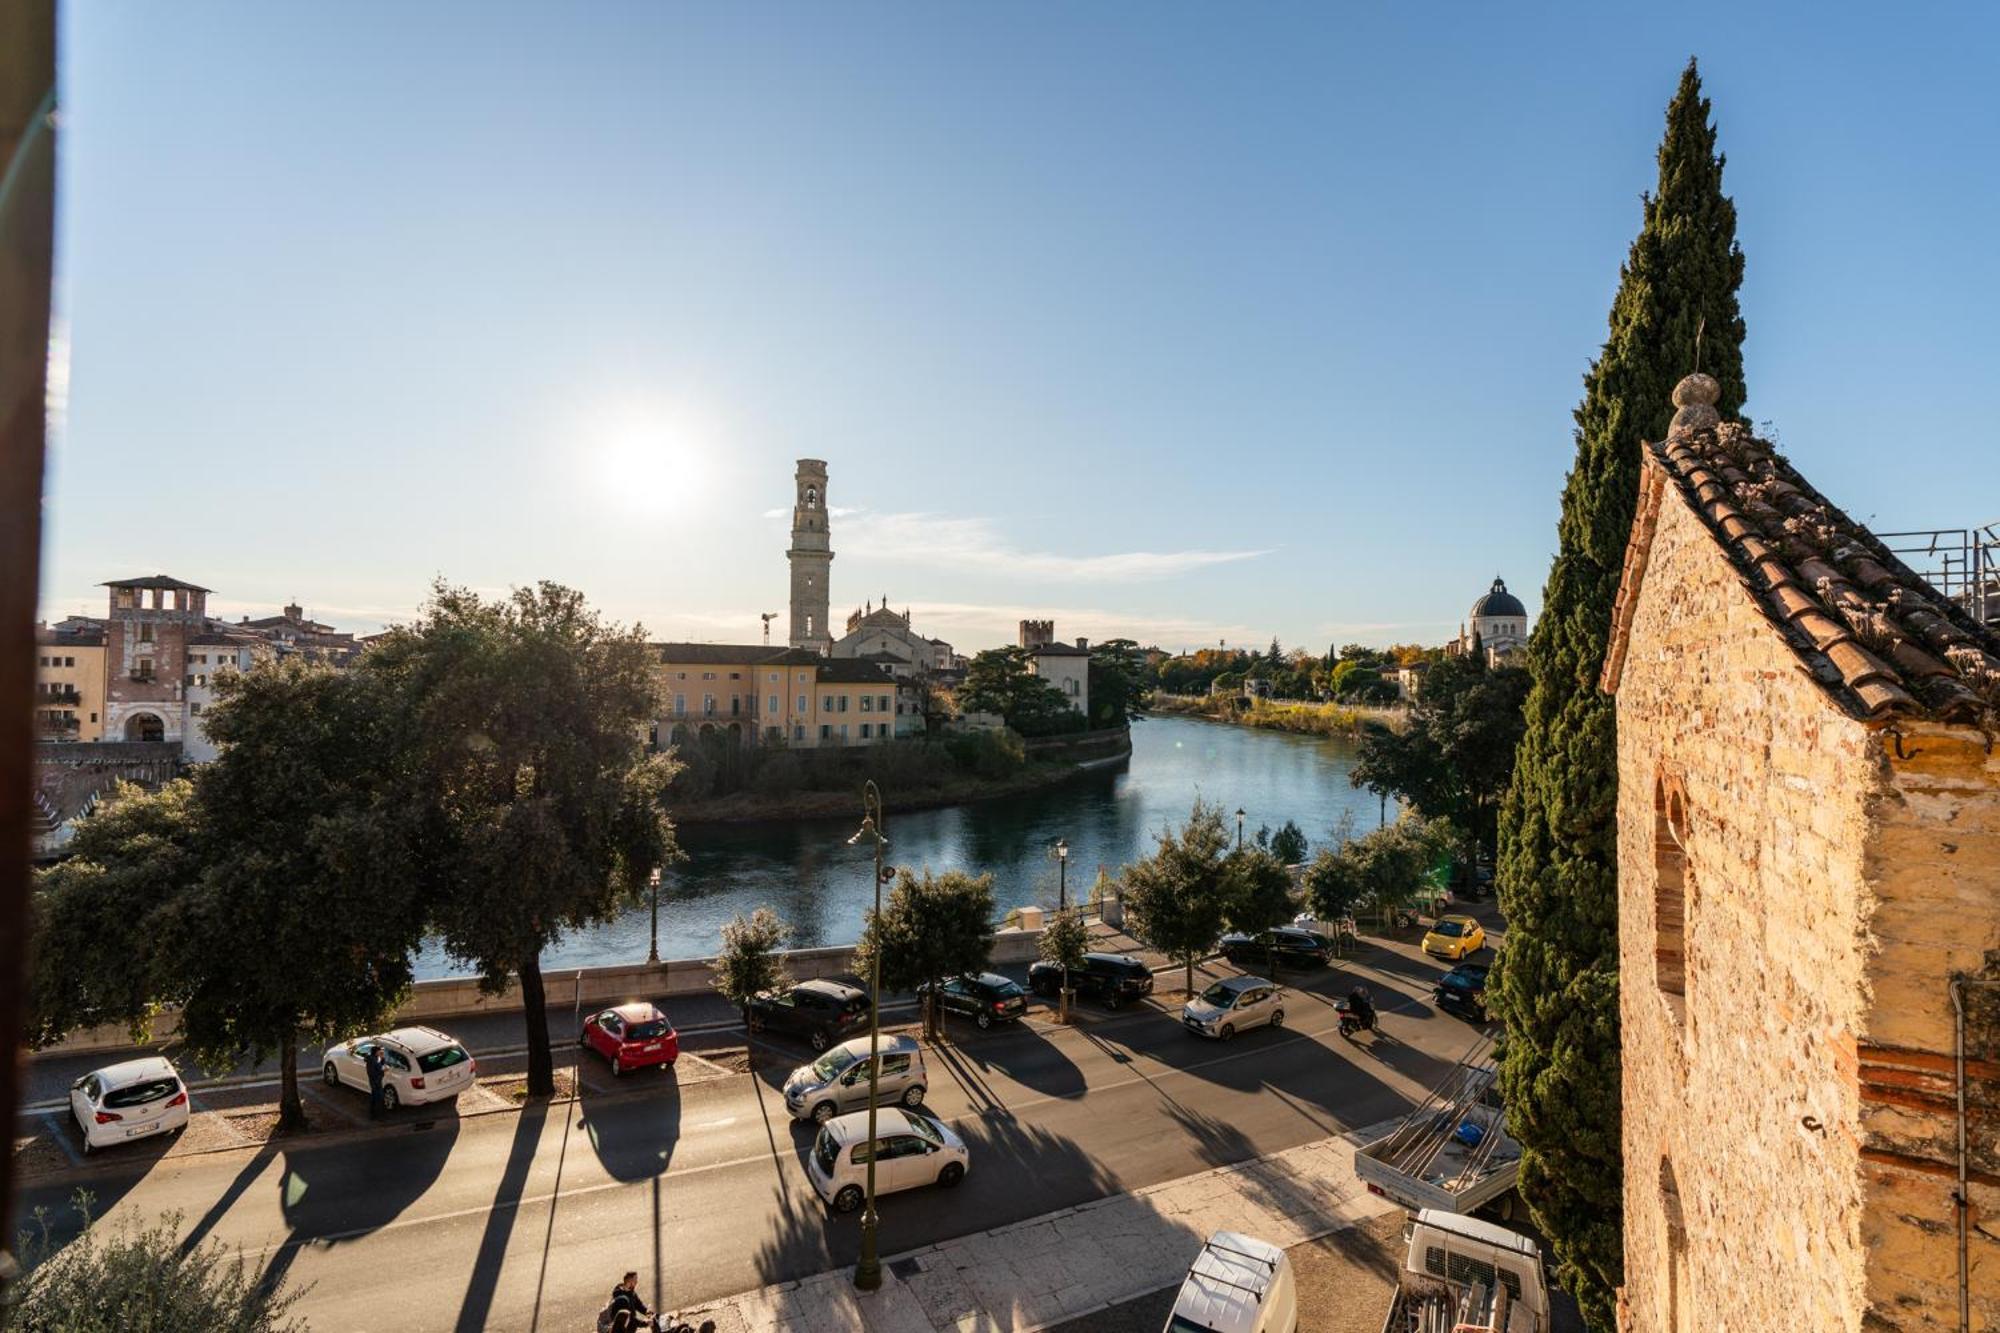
x,y
1189,322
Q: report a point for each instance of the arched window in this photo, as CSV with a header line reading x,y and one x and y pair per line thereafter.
x,y
1672,890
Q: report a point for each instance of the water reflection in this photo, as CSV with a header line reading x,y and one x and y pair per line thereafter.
x,y
814,880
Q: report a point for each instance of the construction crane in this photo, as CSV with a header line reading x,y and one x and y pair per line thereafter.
x,y
768,617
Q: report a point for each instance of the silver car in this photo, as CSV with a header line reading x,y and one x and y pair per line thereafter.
x,y
838,1080
1232,1005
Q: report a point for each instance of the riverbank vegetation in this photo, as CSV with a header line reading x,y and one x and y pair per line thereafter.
x,y
1304,719
1350,674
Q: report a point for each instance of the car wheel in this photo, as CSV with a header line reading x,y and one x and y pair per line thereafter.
x,y
617,1067
1045,988
848,1199
331,1075
755,1023
1113,1001
983,1021
389,1098
582,1041
953,1173
822,1113
817,1039
913,1096
1277,1018
1228,1032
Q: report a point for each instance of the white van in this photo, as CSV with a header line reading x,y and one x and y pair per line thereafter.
x,y
1237,1284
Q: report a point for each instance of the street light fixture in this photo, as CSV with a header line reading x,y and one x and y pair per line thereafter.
x,y
1239,828
653,883
868,1273
1061,850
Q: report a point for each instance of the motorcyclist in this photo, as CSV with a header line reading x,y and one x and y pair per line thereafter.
x,y
628,1309
1361,1006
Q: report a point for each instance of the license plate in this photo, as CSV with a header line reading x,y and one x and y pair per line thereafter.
x,y
649,1048
138,1130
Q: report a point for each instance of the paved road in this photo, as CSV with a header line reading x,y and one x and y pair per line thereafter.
x,y
513,1222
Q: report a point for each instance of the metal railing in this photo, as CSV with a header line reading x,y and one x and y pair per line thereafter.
x,y
1961,563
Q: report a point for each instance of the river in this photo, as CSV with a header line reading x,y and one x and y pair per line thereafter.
x,y
805,870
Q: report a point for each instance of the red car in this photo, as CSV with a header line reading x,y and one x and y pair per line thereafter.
x,y
631,1036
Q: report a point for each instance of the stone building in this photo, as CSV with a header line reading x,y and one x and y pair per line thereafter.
x,y
146,639
69,683
1809,878
1061,665
879,634
811,559
1497,625
744,693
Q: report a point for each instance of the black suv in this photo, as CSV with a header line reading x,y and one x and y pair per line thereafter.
x,y
823,1012
1291,946
1463,990
986,999
1110,978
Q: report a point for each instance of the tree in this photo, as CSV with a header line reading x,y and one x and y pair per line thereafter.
x,y
1178,897
1064,942
94,917
933,927
1288,844
1116,674
1455,754
751,962
1258,893
309,825
999,681
1556,984
541,812
1334,884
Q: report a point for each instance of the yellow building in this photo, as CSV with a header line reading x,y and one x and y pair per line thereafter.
x,y
744,693
69,684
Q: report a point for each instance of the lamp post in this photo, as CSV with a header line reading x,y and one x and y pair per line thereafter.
x,y
653,883
868,1273
1239,828
1061,850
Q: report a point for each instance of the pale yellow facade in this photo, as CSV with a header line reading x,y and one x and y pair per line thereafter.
x,y
749,694
69,688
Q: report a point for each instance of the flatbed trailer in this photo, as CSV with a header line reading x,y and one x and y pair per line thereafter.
x,y
1453,1153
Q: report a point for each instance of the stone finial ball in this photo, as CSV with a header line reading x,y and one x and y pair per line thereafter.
x,y
1697,388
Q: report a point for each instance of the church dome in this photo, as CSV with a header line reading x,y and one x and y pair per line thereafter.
x,y
1498,602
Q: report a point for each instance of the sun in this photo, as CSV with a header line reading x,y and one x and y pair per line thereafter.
x,y
651,462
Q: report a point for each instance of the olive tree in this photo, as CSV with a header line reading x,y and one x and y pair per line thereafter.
x,y
932,927
1064,942
751,961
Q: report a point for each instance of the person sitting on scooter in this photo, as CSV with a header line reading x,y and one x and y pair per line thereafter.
x,y
628,1310
1361,1006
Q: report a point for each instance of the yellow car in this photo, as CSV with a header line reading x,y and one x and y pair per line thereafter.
x,y
1455,937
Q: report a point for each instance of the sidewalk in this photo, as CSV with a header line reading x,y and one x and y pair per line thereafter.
x,y
1073,1263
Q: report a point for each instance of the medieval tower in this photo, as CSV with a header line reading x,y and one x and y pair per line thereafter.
x,y
811,555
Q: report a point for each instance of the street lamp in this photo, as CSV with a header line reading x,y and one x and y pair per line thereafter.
x,y
1061,850
1239,828
653,883
868,1273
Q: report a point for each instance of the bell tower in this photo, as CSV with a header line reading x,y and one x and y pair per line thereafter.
x,y
811,557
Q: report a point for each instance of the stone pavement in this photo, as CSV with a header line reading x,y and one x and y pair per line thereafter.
x,y
1074,1262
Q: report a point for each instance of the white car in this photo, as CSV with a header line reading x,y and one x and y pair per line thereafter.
x,y
1234,1004
1240,1284
130,1101
916,1150
423,1065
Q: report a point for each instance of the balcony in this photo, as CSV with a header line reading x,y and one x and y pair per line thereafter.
x,y
63,696
51,726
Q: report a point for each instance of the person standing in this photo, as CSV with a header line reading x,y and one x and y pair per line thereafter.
x,y
378,1068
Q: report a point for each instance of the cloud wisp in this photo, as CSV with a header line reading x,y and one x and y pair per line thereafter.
x,y
941,541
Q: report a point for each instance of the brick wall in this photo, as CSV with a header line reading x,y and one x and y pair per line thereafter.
x,y
1743,1190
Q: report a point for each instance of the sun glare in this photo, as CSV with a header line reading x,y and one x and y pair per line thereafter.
x,y
649,463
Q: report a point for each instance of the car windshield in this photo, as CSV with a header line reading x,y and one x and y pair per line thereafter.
x,y
1001,987
138,1094
1221,995
831,1065
650,1030
1447,928
825,1151
433,1061
926,1131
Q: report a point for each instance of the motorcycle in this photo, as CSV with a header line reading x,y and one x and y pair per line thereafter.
x,y
1352,1020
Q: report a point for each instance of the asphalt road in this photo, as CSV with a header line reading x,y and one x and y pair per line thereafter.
x,y
514,1222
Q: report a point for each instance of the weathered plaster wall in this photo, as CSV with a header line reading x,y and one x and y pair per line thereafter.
x,y
1934,864
1743,1199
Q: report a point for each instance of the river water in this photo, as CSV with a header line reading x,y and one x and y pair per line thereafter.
x,y
805,870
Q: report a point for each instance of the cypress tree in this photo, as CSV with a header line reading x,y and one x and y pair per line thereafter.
x,y
1556,985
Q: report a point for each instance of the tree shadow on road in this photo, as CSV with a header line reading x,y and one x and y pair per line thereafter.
x,y
1029,1058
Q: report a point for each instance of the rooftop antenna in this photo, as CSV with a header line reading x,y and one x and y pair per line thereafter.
x,y
767,617
1700,327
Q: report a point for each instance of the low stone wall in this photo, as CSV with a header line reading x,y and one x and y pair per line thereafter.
x,y
1079,747
566,986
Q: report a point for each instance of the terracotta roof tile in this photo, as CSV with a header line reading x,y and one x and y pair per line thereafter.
x,y
1874,634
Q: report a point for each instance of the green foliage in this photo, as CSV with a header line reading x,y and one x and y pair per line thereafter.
x,y
1258,891
1288,844
1065,940
111,1279
1387,867
999,681
750,962
932,927
1334,884
1178,898
540,811
94,917
1454,756
1556,984
1117,675
988,754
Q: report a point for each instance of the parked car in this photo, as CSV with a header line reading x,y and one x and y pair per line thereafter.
x,y
1463,990
1234,1004
838,1080
631,1036
986,999
1239,1283
1111,978
1455,937
822,1012
1290,946
916,1150
133,1100
423,1065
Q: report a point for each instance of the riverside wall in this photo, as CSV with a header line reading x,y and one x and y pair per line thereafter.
x,y
451,996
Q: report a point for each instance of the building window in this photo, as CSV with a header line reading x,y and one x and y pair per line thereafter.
x,y
798,733
867,703
708,675
774,678
195,709
843,703
122,599
802,703
680,705
143,669
843,733
826,731
772,702
735,705
1672,885
867,731
708,705
145,634
736,675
